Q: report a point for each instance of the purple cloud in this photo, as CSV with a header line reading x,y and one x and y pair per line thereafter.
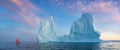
x,y
97,7
22,11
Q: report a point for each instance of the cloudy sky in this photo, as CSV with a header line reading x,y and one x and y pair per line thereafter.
x,y
21,18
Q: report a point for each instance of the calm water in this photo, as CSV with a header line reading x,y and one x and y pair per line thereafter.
x,y
60,46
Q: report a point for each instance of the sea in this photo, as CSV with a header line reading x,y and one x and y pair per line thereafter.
x,y
108,45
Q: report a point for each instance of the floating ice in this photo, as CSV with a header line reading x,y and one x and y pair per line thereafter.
x,y
82,30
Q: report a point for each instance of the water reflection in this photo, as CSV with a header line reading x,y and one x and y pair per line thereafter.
x,y
60,46
69,46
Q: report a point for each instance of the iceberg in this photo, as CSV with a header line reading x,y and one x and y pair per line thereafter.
x,y
82,30
46,31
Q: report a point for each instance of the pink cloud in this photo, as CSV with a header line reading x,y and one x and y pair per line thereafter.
x,y
75,8
8,5
109,7
94,7
116,17
22,11
27,7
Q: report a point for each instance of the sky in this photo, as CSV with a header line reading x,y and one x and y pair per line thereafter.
x,y
21,18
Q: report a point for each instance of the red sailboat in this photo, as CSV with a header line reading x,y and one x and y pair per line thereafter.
x,y
17,41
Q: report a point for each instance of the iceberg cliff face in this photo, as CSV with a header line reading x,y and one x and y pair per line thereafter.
x,y
46,31
82,30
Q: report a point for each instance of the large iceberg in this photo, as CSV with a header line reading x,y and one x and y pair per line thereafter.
x,y
82,30
46,31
